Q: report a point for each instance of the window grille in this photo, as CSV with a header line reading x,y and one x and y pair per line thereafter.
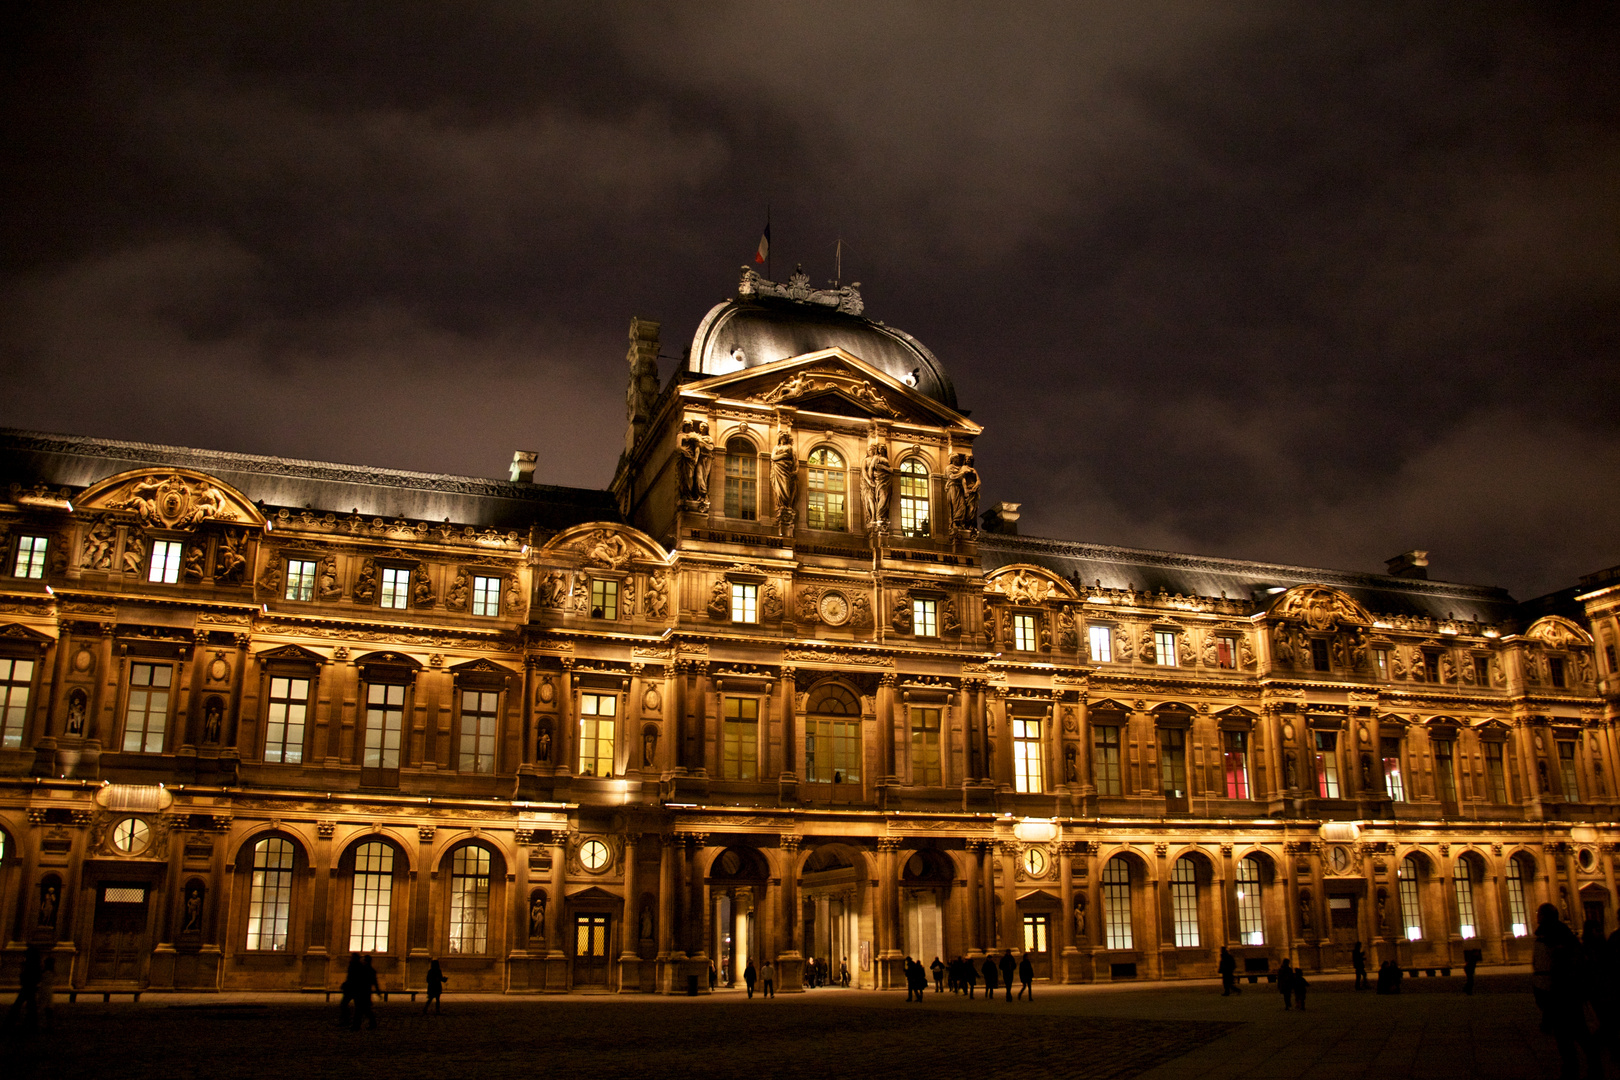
x,y
270,895
1184,902
1251,910
1116,889
469,901
373,898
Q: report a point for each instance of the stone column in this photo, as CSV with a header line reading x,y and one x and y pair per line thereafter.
x,y
973,903
422,925
888,914
987,895
556,959
697,903
316,952
999,732
563,746
790,962
1054,745
790,727
700,721
886,728
1068,955
1011,928
629,932
680,754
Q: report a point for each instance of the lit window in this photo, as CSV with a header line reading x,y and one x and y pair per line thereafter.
x,y
1518,913
1465,899
832,737
1445,777
744,603
1184,903
300,579
165,566
1327,764
469,901
1036,930
1023,632
1164,646
478,715
1027,754
373,898
913,498
925,618
925,767
824,487
284,720
1116,890
1226,651
1392,770
1251,913
1237,764
604,599
396,588
16,679
30,557
742,480
147,714
385,718
1411,913
740,738
1381,662
1566,770
486,596
1496,772
270,895
1105,759
1173,762
596,733
1102,643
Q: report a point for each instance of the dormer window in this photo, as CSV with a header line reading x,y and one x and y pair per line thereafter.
x,y
824,484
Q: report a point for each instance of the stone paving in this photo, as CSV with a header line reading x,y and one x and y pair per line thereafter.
x,y
1155,1032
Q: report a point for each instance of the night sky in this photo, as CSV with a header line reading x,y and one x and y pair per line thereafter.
x,y
1316,283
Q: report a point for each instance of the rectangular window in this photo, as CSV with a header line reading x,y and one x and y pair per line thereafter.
x,y
1102,643
1184,903
479,711
1482,670
1036,930
1105,759
596,733
1381,663
1411,913
1392,770
1555,669
1116,896
165,566
1467,927
300,579
1251,913
1237,764
30,557
913,499
742,484
1226,651
469,901
740,739
824,491
372,905
1027,754
925,618
1431,666
16,678
1319,655
605,599
396,588
1518,913
147,715
1164,647
270,895
925,767
1327,764
1173,762
744,603
486,596
284,720
1566,770
385,720
1445,777
1024,632
1496,772
832,750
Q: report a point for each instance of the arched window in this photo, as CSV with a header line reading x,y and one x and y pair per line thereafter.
x,y
1184,902
1464,878
270,897
1251,915
832,736
469,901
373,900
1518,913
1116,896
742,480
1411,910
824,485
913,498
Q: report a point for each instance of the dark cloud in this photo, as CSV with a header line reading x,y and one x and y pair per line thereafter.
x,y
1269,280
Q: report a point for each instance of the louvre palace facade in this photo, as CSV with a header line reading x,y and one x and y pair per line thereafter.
x,y
785,690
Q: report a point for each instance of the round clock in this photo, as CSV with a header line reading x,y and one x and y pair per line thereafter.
x,y
833,609
130,836
594,854
1035,862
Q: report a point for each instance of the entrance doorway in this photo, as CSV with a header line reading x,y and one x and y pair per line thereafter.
x,y
591,950
1038,944
118,935
1343,921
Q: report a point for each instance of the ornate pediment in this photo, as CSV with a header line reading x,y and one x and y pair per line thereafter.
x,y
833,381
828,389
481,666
1320,608
1022,583
607,545
170,499
291,652
1557,632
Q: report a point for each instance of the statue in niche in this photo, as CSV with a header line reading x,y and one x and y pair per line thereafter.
x,y
720,600
1080,918
134,551
537,916
328,582
770,603
696,450
1383,909
554,590
213,719
645,927
422,587
1358,652
514,595
1209,652
1067,636
231,563
456,599
50,897
1305,911
192,921
98,545
1563,903
901,619
78,707
649,745
1246,651
365,585
192,567
1541,776
1184,650
1583,668
542,743
1123,649
860,612
876,476
658,595
784,478
1366,772
1336,650
1448,668
1285,647
1070,773
962,492
1149,650
948,620
1290,770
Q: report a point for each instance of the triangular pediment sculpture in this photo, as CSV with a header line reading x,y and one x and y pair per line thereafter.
x,y
170,499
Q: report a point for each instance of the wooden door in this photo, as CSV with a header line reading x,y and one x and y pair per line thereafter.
x,y
118,935
591,950
1038,944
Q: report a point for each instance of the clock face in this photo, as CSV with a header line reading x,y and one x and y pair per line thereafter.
x,y
130,836
834,608
1035,862
594,854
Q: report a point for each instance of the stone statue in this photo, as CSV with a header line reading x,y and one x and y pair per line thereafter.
x,y
720,600
962,492
232,561
422,587
876,474
1383,909
901,619
1124,650
1285,647
1080,918
330,589
213,720
1448,669
456,600
1070,773
193,919
1336,650
770,603
784,478
607,548
554,590
1305,910
1290,770
192,568
697,453
649,744
645,928
98,545
365,584
542,743
1067,636
1185,650
49,898
948,621
1210,654
1366,772
134,551
537,916
78,707
658,596
1583,666
860,612
1246,651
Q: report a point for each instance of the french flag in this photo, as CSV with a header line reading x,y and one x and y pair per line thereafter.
x,y
764,244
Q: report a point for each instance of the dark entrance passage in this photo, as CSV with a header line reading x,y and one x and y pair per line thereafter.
x,y
118,937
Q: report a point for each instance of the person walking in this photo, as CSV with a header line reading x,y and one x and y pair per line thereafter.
x,y
435,988
990,978
351,984
27,1003
1358,960
1228,970
843,973
750,976
1300,986
1471,961
1285,984
939,976
47,991
1008,966
1026,977
714,976
1557,979
363,990
767,977
970,976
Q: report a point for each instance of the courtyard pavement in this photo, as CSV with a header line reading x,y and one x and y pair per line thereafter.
x,y
1156,1032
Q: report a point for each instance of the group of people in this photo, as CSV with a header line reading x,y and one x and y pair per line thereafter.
x,y
962,975
361,983
765,976
818,972
1568,974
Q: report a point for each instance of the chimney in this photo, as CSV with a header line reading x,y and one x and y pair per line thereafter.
x,y
1411,564
643,391
1002,518
523,466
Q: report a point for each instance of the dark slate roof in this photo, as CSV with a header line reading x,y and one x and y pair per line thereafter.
x,y
31,457
1197,575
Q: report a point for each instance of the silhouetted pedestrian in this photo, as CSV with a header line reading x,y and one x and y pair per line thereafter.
x,y
1558,978
714,976
750,976
1285,984
1300,986
990,978
47,991
1228,970
27,1003
1471,961
351,986
1008,966
363,990
1026,978
1389,978
1358,960
970,976
939,975
435,988
767,977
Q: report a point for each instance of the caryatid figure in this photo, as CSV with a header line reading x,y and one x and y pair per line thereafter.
x,y
875,476
784,477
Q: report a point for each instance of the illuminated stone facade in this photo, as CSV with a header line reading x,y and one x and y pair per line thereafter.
x,y
785,690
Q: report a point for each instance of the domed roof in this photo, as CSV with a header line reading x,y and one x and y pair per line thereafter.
x,y
769,321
